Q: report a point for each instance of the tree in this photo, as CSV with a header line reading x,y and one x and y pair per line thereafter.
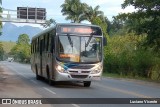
x,y
23,39
96,17
146,20
21,50
116,27
91,13
73,10
1,51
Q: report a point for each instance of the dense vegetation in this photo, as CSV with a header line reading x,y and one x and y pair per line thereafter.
x,y
134,46
21,51
133,39
126,56
1,51
0,16
146,20
6,47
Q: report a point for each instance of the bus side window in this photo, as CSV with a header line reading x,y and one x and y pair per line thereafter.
x,y
37,45
44,48
31,47
53,40
34,46
47,42
50,43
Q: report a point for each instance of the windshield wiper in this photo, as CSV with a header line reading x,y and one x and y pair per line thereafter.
x,y
86,44
70,41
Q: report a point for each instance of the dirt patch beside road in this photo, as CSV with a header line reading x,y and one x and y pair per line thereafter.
x,y
11,86
3,77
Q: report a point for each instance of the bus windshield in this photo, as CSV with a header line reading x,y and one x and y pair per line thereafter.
x,y
84,49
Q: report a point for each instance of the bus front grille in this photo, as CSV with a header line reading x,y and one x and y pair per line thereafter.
x,y
73,71
77,71
85,71
82,67
79,76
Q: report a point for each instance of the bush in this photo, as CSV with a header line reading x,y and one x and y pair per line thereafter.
x,y
143,62
123,56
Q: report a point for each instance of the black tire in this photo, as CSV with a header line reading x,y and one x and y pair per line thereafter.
x,y
50,82
37,76
87,83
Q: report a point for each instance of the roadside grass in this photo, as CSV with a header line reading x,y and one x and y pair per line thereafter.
x,y
117,76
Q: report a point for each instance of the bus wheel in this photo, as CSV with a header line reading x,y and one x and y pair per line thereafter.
x,y
49,81
37,76
48,78
87,83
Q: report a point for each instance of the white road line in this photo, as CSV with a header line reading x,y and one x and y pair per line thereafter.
x,y
18,72
75,105
23,75
34,81
49,90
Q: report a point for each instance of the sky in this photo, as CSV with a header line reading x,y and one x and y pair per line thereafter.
x,y
109,7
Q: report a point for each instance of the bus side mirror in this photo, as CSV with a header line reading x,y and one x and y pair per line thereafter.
x,y
104,41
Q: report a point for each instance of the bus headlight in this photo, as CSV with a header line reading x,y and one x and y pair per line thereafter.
x,y
97,69
60,68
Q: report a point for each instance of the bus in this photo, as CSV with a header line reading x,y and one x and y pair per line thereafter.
x,y
68,52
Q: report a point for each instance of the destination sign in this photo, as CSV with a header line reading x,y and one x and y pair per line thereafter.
x,y
76,30
80,30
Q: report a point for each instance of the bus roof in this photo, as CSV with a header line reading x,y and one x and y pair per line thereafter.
x,y
60,24
82,24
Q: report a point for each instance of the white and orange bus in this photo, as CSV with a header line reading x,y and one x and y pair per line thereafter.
x,y
68,52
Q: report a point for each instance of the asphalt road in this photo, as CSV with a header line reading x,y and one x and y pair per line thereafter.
x,y
106,88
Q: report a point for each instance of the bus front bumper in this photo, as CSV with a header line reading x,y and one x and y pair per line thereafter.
x,y
77,77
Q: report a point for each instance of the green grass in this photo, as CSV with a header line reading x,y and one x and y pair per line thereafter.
x,y
7,46
113,75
